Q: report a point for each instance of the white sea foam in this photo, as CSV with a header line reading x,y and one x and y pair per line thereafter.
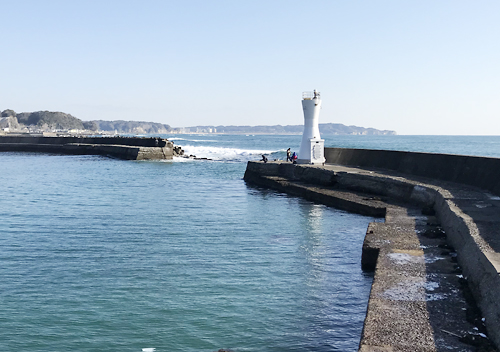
x,y
192,140
176,159
180,159
220,153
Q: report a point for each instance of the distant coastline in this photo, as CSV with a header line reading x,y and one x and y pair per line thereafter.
x,y
324,128
60,122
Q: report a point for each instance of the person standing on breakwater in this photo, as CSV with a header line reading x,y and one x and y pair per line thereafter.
x,y
288,158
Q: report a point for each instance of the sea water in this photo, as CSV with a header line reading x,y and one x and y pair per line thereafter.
x,y
244,147
99,254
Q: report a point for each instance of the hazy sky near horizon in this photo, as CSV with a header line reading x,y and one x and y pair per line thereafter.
x,y
416,67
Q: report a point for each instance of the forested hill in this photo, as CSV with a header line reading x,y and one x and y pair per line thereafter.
x,y
60,121
135,127
49,120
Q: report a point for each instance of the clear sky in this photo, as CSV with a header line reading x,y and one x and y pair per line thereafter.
x,y
416,67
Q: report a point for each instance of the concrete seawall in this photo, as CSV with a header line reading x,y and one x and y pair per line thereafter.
x,y
480,172
469,216
129,148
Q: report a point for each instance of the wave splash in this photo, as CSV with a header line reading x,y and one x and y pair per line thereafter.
x,y
191,140
229,154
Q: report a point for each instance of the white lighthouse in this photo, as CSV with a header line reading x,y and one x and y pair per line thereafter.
x,y
312,148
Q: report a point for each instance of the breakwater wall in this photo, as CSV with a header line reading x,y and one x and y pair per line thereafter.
x,y
452,186
130,148
480,172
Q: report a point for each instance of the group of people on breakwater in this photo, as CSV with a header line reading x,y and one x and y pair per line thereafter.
x,y
289,156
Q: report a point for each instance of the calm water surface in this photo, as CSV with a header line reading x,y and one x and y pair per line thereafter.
x,y
98,254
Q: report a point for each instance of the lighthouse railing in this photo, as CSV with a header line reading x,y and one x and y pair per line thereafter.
x,y
307,95
310,95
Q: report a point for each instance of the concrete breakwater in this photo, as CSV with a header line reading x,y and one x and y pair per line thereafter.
x,y
130,148
420,260
476,171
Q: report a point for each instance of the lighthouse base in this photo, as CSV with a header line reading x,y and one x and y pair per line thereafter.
x,y
313,152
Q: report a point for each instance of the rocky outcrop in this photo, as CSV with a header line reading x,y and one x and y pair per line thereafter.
x,y
9,123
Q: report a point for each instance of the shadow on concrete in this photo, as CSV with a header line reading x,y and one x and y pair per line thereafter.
x,y
453,314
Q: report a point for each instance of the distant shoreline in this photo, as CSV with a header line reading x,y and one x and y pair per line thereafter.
x,y
113,134
60,122
275,134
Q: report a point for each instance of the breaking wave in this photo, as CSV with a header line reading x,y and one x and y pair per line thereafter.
x,y
229,154
191,140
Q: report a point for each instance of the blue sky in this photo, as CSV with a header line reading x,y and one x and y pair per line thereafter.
x,y
416,67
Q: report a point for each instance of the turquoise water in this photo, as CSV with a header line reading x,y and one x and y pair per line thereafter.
x,y
99,254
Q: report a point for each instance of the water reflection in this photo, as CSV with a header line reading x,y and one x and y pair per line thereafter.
x,y
331,249
312,226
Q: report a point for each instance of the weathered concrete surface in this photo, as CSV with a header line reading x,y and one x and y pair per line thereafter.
x,y
481,172
348,201
417,301
118,147
128,141
400,316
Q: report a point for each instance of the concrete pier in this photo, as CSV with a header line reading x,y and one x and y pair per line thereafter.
x,y
129,148
436,255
